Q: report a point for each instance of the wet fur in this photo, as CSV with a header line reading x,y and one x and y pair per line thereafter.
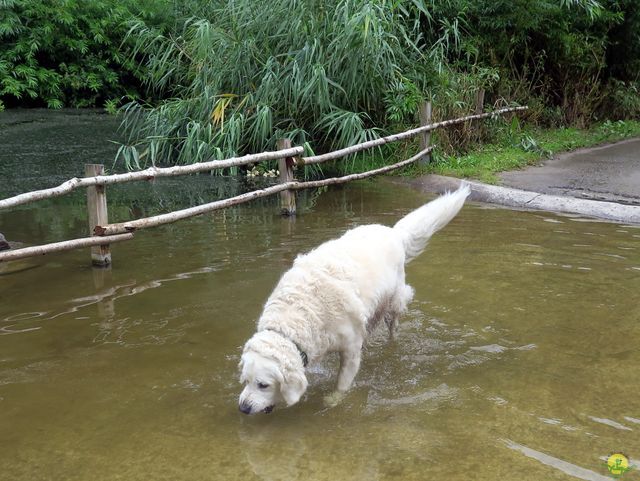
x,y
332,299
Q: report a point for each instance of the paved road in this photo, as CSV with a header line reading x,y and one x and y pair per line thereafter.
x,y
601,182
609,173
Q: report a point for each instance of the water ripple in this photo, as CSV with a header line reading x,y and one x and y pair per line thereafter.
x,y
557,463
6,330
609,422
24,316
493,348
438,394
108,295
557,422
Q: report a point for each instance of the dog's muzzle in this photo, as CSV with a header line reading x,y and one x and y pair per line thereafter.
x,y
246,409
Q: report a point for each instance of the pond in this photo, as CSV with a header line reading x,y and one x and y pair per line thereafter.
x,y
518,358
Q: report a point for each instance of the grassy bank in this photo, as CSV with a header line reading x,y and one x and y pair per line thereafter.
x,y
530,146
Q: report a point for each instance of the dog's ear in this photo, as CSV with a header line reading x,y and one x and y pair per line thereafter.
x,y
241,368
293,386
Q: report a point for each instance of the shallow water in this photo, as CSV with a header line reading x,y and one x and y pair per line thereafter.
x,y
518,358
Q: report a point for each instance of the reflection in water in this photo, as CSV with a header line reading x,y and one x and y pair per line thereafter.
x,y
284,450
296,456
106,306
105,299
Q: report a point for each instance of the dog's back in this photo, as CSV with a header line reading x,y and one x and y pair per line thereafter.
x,y
337,287
355,281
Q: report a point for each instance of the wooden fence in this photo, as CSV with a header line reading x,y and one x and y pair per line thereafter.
x,y
103,233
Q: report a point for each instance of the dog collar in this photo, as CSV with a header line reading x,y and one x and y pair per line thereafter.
x,y
303,355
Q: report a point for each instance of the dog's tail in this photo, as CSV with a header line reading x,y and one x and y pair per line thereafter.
x,y
417,227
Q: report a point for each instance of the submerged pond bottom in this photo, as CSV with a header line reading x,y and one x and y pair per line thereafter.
x,y
517,359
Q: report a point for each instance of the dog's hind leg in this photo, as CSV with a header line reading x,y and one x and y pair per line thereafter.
x,y
391,321
397,307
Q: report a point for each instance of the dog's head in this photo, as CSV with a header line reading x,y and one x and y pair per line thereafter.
x,y
272,372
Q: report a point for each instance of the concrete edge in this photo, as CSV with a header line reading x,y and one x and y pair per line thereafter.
x,y
523,199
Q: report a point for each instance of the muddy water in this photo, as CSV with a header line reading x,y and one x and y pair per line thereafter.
x,y
518,358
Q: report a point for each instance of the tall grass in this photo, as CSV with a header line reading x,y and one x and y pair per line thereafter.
x,y
332,72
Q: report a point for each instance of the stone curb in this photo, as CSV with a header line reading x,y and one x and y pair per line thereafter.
x,y
524,199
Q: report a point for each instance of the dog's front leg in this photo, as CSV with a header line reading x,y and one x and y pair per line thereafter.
x,y
349,366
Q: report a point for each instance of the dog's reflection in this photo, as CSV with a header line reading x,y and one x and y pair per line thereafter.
x,y
285,451
310,443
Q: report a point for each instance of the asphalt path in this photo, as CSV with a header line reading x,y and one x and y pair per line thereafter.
x,y
608,173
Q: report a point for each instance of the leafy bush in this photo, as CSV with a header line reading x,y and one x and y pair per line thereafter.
x,y
557,56
67,52
622,100
236,75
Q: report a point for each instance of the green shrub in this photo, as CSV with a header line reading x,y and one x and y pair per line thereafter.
x,y
68,52
622,100
554,55
237,74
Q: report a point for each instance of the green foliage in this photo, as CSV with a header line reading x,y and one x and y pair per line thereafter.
x,y
66,52
332,72
402,100
530,144
554,55
622,99
623,52
234,75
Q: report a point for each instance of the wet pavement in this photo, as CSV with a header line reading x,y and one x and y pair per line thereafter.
x,y
607,173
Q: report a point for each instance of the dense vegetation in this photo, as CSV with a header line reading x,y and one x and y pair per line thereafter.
x,y
571,60
213,78
70,53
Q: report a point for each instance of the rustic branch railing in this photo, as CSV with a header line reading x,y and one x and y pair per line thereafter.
x,y
15,254
161,219
103,235
147,174
316,159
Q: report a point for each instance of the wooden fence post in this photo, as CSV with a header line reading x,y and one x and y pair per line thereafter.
x,y
97,209
285,166
425,137
479,109
480,101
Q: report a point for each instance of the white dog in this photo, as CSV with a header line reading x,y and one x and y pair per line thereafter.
x,y
330,300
